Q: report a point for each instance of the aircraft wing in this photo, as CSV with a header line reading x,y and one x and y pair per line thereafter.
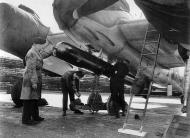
x,y
56,65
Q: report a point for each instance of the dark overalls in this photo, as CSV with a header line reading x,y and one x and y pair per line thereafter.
x,y
67,84
117,86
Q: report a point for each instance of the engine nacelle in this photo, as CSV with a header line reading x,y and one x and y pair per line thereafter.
x,y
18,27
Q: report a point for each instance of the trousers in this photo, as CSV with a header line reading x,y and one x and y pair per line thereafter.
x,y
65,98
30,110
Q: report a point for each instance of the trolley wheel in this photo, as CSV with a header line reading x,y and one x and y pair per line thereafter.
x,y
95,102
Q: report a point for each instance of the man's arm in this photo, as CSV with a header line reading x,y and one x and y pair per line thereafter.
x,y
77,84
70,85
31,67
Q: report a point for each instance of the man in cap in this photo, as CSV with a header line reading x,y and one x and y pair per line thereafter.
x,y
32,81
120,70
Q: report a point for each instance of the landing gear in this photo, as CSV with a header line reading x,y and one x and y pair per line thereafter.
x,y
95,99
185,98
95,103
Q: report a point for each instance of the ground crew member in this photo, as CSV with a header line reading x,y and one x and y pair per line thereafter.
x,y
120,70
68,81
32,81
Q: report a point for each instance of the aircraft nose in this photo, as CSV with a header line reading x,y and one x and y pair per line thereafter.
x,y
63,10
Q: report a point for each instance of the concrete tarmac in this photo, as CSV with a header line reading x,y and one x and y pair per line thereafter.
x,y
98,125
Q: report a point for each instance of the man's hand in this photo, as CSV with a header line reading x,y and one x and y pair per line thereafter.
x,y
78,94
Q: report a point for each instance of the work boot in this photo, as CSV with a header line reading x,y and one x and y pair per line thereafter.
x,y
64,113
39,119
78,112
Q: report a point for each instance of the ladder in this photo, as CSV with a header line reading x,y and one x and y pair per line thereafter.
x,y
149,50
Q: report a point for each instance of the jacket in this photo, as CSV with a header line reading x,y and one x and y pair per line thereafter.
x,y
68,82
119,71
32,74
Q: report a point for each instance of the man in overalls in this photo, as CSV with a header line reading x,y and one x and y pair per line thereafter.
x,y
68,81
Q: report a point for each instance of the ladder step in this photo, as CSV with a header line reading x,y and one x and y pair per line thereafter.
x,y
147,42
152,36
153,30
149,54
136,133
152,125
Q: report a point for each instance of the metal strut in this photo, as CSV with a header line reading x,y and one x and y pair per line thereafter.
x,y
149,51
